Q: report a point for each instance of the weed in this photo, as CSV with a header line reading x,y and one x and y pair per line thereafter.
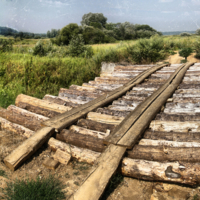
x,y
48,188
76,183
196,197
76,173
67,175
3,173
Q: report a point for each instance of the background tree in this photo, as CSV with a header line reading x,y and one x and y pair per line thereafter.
x,y
48,34
185,52
93,17
198,31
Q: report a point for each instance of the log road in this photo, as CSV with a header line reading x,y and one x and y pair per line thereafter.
x,y
143,118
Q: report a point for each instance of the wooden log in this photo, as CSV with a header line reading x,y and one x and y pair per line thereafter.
x,y
189,86
186,99
134,98
178,117
106,88
81,140
148,142
59,100
80,154
172,136
84,131
15,128
97,126
50,163
168,126
122,108
184,173
30,122
95,184
114,120
118,113
39,106
165,153
62,157
85,89
28,148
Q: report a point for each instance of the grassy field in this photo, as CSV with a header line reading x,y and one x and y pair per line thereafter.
x,y
22,72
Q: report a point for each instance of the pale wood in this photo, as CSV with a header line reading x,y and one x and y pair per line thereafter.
x,y
168,126
96,182
39,106
80,154
50,163
184,173
118,113
28,148
108,119
15,128
62,157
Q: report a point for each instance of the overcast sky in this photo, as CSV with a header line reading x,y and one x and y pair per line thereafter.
x,y
38,16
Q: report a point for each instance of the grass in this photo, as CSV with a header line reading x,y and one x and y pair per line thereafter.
x,y
3,173
49,188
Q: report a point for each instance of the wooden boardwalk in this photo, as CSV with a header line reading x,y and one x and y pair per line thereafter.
x,y
143,118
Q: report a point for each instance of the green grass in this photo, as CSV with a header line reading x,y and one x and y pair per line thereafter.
x,y
3,173
49,188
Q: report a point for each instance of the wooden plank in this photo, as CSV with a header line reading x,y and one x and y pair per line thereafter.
x,y
50,163
62,157
95,184
66,119
184,173
28,148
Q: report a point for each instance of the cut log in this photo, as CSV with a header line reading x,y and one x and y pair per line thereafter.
x,y
20,118
15,128
168,126
59,100
108,119
184,173
172,136
28,148
147,142
165,153
118,113
85,89
95,184
179,117
96,126
80,154
62,157
51,163
186,99
105,88
39,106
80,140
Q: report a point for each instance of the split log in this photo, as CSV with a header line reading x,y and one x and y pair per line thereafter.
x,y
172,136
125,103
85,89
62,157
59,100
122,108
108,119
80,140
84,131
134,98
118,113
165,153
186,99
15,128
103,87
178,117
28,148
80,154
187,91
97,126
147,142
184,173
39,106
95,184
168,126
189,86
50,163
30,121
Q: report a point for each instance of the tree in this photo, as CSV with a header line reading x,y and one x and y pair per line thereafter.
x,y
48,34
93,17
198,31
185,52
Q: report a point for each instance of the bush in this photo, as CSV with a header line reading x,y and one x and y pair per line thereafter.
x,y
185,52
39,49
48,188
185,34
6,45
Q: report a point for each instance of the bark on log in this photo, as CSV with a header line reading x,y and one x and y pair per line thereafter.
x,y
80,154
172,136
85,89
15,128
40,106
113,112
184,173
96,126
179,117
28,148
186,99
80,140
62,157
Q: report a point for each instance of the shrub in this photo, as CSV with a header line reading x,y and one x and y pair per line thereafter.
x,y
39,49
185,34
49,188
185,52
6,45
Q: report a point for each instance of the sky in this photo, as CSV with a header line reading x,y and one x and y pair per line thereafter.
x,y
39,16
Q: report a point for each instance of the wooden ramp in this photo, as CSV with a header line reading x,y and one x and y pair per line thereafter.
x,y
143,119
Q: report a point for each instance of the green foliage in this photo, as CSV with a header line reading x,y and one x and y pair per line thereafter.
x,y
196,197
197,49
93,17
96,25
49,188
6,45
185,52
184,34
3,173
147,50
198,31
39,49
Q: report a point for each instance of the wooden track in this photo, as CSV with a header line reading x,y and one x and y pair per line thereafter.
x,y
170,143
